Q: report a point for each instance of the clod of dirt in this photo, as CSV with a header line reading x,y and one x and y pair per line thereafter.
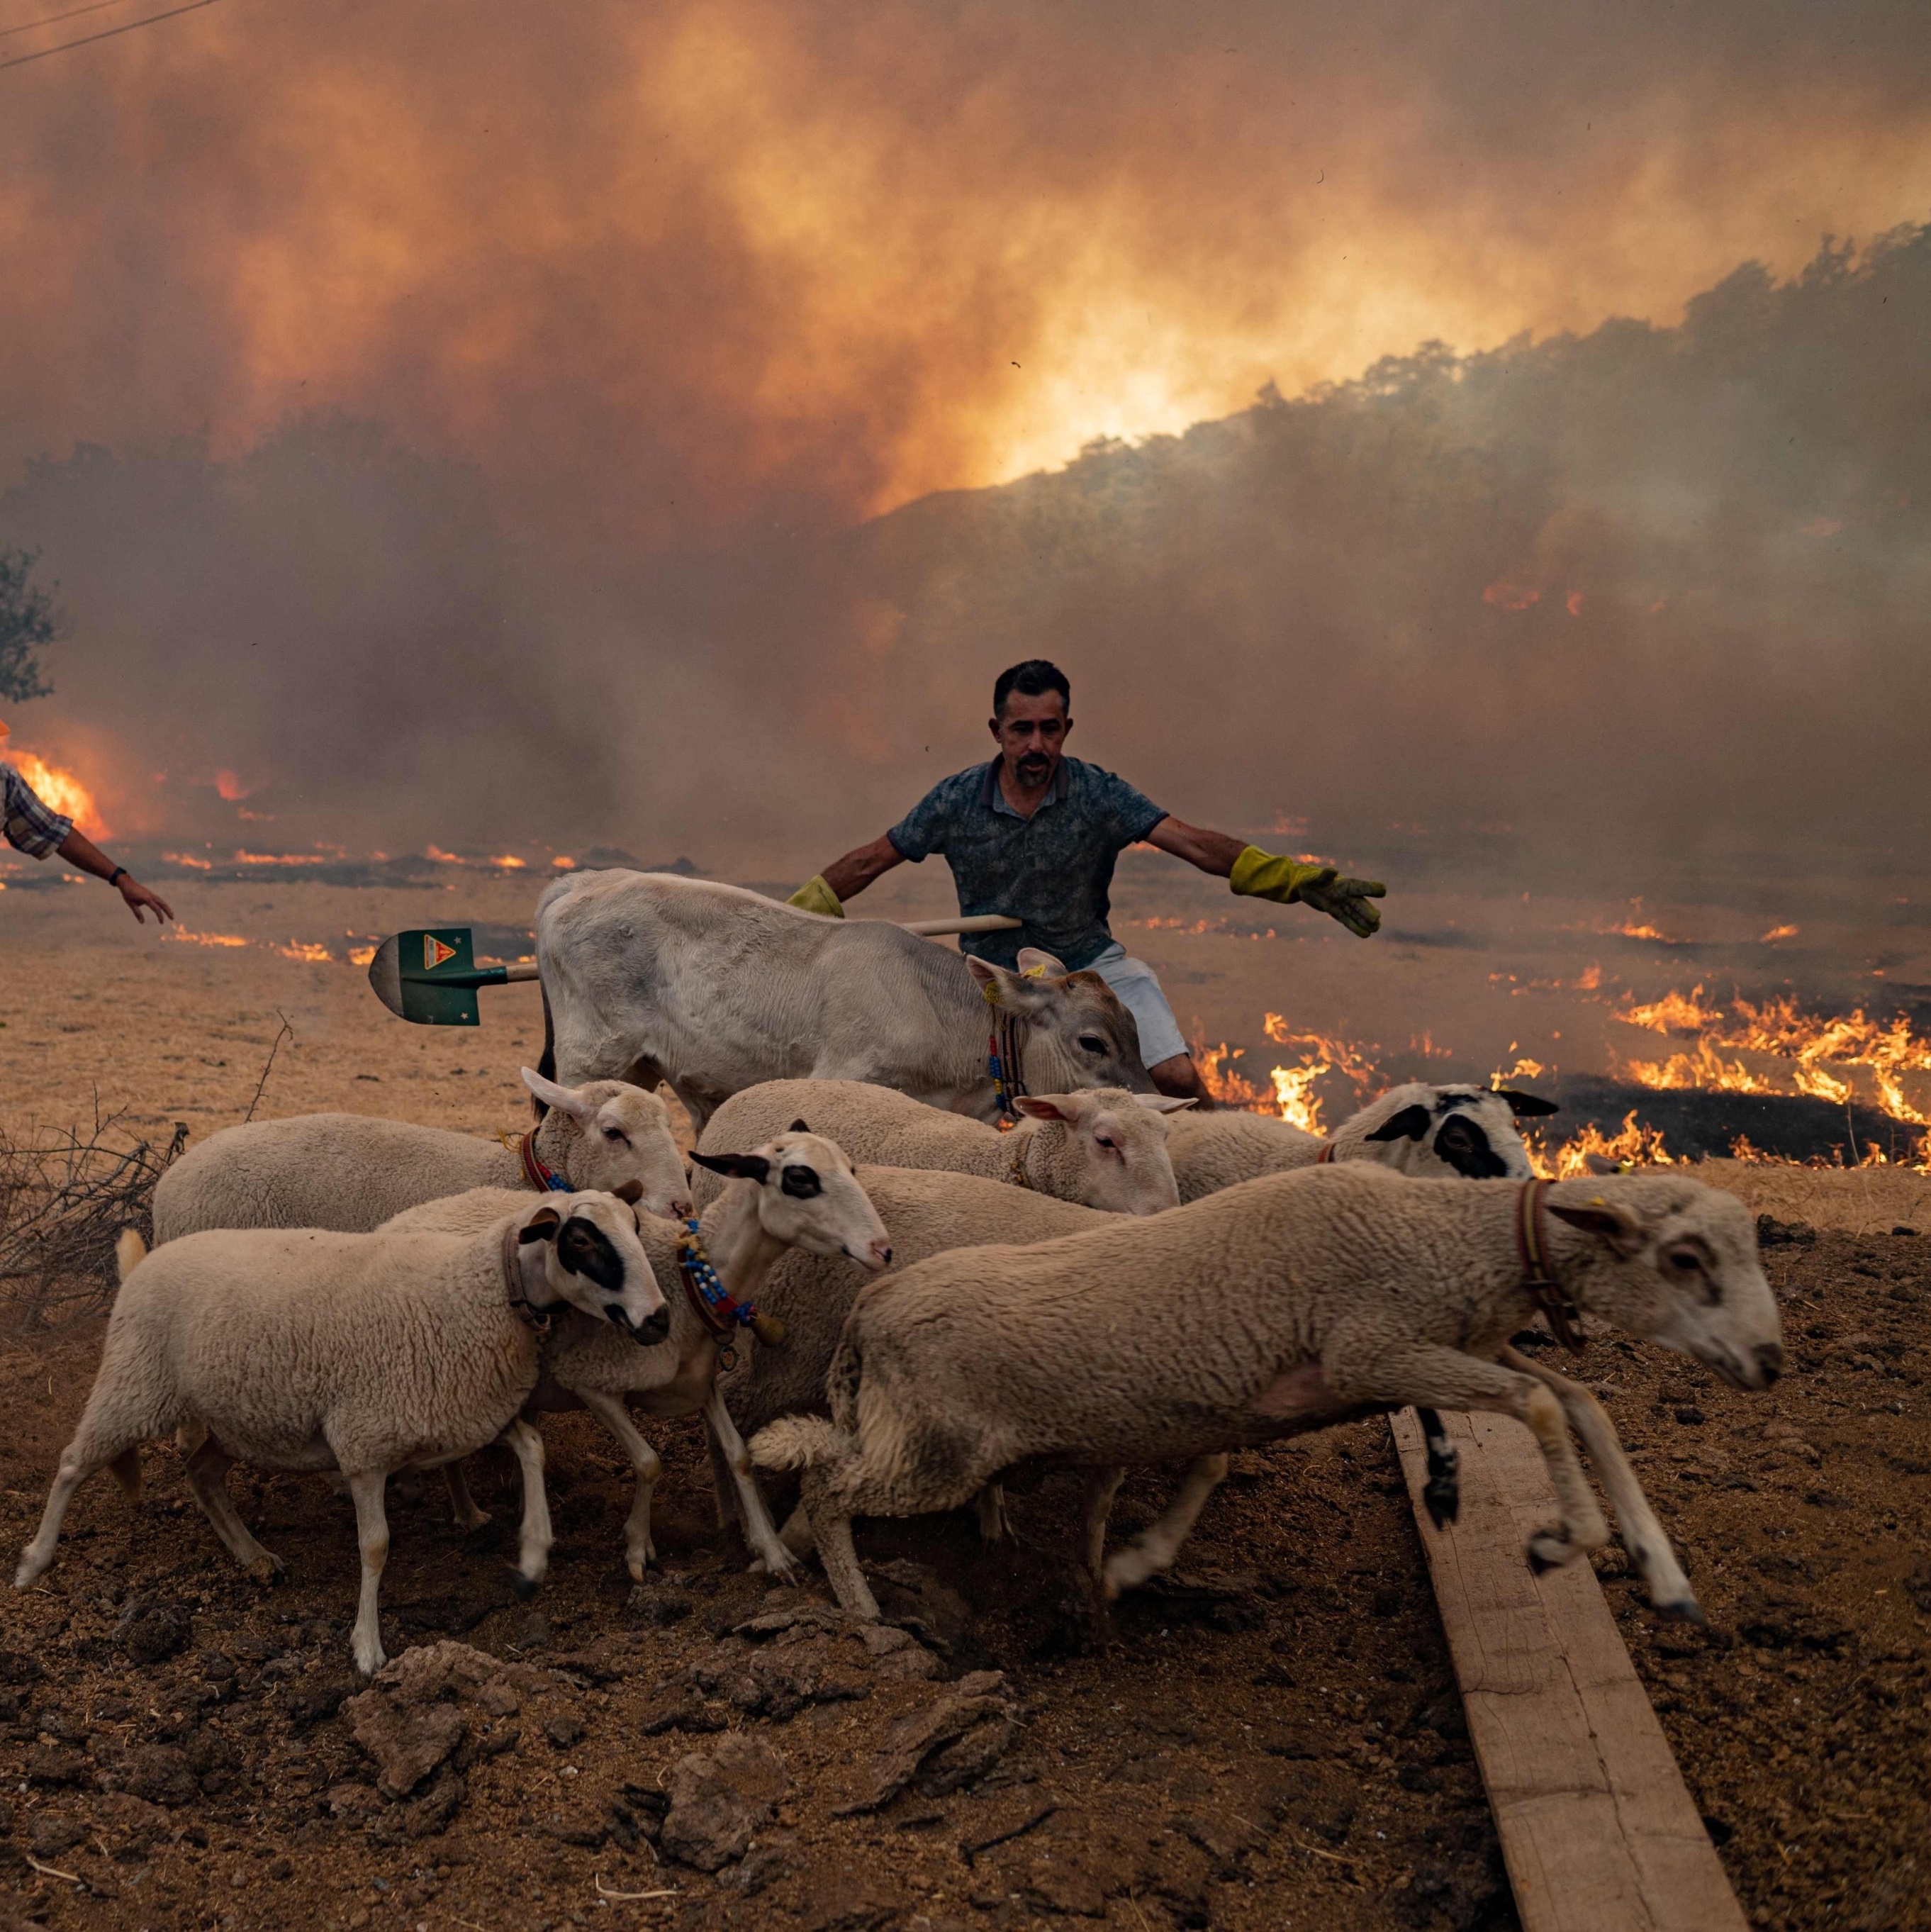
x,y
948,1743
161,1774
720,1797
151,1632
427,1703
54,1832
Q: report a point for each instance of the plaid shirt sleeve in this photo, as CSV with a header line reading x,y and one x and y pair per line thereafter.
x,y
32,826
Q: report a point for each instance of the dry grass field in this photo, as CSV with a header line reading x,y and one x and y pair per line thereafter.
x,y
1273,1740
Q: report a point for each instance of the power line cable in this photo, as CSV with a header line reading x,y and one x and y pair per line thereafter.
x,y
52,19
107,33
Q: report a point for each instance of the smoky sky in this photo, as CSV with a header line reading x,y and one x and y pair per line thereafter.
x,y
493,423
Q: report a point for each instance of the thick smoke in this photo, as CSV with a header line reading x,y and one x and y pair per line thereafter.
x,y
662,271
1646,593
483,410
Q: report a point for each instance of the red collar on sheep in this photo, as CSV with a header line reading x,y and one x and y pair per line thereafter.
x,y
544,1179
1539,1280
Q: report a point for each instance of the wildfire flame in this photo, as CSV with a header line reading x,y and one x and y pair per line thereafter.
x,y
1807,1046
1638,1145
308,951
206,938
63,791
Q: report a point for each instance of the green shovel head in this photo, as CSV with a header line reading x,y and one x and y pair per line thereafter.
x,y
430,977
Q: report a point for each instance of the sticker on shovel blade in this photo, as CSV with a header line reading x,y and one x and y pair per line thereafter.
x,y
434,952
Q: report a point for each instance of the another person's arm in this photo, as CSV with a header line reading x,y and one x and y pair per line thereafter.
x,y
1259,874
80,851
33,826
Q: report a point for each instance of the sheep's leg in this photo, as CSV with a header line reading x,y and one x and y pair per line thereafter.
x,y
1101,1487
831,1525
759,1530
1156,1545
994,1523
724,1485
79,1460
1442,1492
468,1514
526,1444
1645,1538
372,1535
610,1411
1445,1378
207,1471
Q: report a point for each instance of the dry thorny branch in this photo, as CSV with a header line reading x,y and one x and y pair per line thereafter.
x,y
62,1209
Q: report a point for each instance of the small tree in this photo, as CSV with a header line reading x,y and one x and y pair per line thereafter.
x,y
29,622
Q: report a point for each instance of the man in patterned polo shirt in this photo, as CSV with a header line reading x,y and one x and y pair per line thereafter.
x,y
33,826
1034,834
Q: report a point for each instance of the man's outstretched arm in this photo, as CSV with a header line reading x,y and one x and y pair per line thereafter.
x,y
1259,874
845,878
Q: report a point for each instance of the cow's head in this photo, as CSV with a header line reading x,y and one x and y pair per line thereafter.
x,y
1075,1032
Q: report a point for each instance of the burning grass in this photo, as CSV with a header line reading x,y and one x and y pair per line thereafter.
x,y
62,1208
1839,1057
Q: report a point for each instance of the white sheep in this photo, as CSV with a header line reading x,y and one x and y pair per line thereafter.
x,y
308,1350
1424,1131
1102,1147
1282,1305
351,1172
795,1193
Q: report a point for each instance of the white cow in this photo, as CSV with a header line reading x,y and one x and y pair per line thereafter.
x,y
648,976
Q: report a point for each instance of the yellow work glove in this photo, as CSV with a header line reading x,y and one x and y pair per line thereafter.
x,y
814,895
1260,875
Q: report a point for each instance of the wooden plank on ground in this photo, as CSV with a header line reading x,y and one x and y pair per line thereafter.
x,y
1597,1825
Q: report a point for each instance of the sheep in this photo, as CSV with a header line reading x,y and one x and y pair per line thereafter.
x,y
1425,1131
351,1173
1102,1147
310,1350
796,1192
924,1213
1417,1128
1282,1305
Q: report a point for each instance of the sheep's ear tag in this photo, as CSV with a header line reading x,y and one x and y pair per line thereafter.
x,y
542,1226
1037,972
990,988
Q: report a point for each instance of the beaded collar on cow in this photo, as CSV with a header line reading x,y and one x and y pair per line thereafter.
x,y
1004,1058
718,1310
1539,1280
521,1304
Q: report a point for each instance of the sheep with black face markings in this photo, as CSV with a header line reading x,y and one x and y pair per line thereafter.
x,y
796,1193
1282,1305
1419,1129
306,1350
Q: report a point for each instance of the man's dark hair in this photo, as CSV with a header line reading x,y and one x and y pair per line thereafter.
x,y
1032,679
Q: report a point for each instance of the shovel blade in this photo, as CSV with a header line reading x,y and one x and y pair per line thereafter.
x,y
430,976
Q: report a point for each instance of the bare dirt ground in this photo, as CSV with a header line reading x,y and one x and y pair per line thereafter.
x,y
1273,1740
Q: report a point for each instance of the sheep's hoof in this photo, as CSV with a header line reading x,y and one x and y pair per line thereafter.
x,y
636,1570
1442,1494
268,1570
1684,1609
1549,1550
525,1587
